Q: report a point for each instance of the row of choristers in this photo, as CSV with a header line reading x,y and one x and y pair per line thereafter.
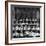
x,y
26,28
26,34
28,22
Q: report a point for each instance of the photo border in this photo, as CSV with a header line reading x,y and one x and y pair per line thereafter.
x,y
6,23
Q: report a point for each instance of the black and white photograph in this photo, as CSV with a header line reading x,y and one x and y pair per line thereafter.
x,y
25,22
